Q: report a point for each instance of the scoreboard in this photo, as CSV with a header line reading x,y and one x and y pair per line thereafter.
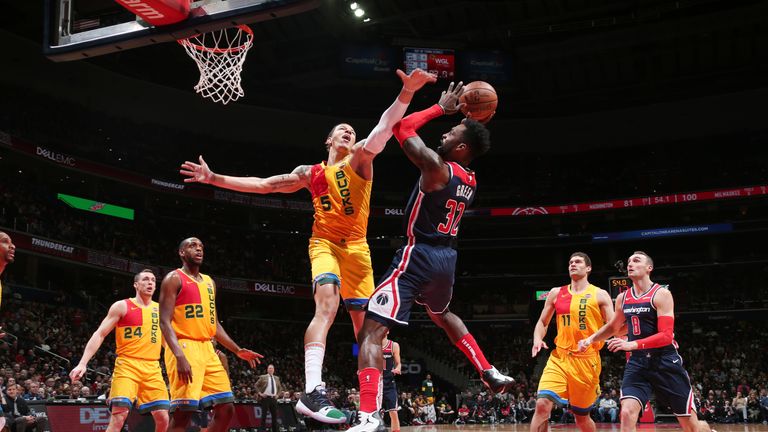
x,y
618,284
440,62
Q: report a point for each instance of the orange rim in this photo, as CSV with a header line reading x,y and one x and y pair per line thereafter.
x,y
242,27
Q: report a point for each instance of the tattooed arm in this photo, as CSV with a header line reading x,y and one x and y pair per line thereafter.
x,y
284,183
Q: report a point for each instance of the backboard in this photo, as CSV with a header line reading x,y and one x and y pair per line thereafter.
x,y
78,29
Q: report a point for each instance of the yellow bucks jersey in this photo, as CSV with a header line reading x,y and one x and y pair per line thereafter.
x,y
137,334
342,201
194,316
578,317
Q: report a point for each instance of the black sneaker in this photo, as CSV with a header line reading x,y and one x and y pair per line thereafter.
x,y
317,406
369,422
496,381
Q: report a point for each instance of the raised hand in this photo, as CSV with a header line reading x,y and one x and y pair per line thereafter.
x,y
416,79
197,173
449,99
253,358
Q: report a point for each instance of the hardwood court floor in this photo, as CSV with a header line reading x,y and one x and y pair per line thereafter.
x,y
601,427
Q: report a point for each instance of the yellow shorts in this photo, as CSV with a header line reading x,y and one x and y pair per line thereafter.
x,y
210,382
346,264
571,380
141,381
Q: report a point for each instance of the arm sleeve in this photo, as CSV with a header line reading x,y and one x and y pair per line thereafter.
x,y
664,337
380,134
407,127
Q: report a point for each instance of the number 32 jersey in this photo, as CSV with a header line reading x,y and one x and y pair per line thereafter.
x,y
434,217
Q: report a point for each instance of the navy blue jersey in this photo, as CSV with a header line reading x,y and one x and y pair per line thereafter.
x,y
642,318
389,359
434,217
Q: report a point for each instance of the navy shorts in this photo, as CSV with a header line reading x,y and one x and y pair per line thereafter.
x,y
419,273
389,395
664,375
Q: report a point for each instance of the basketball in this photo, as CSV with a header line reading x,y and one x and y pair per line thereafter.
x,y
480,99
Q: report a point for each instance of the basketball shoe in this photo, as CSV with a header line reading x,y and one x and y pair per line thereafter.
x,y
316,405
496,381
369,422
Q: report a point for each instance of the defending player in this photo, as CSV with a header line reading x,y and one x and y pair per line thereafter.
x,y
338,250
392,366
571,378
137,378
423,271
188,319
654,364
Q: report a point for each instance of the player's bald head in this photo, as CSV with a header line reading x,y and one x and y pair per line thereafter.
x,y
184,243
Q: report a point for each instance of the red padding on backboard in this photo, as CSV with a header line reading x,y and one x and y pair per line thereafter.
x,y
158,12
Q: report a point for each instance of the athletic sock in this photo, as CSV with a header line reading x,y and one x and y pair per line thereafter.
x,y
313,365
469,347
369,389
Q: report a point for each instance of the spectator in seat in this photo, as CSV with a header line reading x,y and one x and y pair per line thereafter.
x,y
608,409
764,405
729,414
18,412
753,407
739,404
463,415
446,413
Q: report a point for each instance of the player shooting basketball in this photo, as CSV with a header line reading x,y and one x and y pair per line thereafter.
x,y
424,270
338,249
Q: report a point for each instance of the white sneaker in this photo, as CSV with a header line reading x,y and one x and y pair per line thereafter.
x,y
368,422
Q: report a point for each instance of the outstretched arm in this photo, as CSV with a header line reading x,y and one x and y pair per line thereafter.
x,y
434,171
116,311
284,183
377,139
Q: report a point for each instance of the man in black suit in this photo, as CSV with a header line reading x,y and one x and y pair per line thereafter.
x,y
18,413
269,387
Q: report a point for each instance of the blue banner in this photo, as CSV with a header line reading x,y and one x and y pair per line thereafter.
x,y
368,61
662,232
494,67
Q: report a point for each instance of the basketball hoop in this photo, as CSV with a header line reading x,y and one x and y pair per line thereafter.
x,y
220,55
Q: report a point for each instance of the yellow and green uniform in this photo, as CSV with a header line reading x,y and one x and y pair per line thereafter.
x,y
194,321
338,248
572,377
137,375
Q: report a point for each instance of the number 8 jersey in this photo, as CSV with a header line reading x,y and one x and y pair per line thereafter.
x,y
137,334
194,315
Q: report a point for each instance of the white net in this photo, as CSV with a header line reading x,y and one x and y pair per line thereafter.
x,y
220,56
